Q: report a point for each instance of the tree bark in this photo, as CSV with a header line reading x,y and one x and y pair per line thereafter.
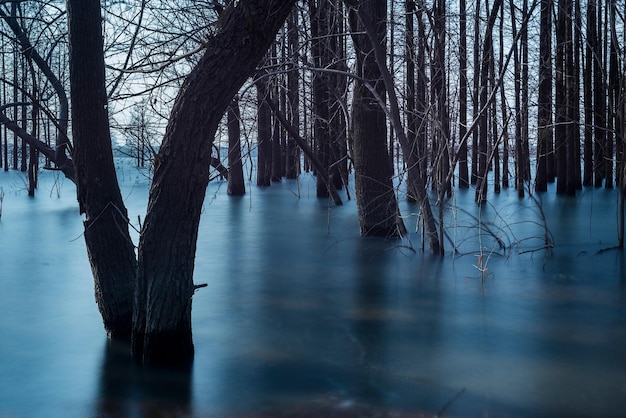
x,y
264,137
462,151
110,249
292,163
162,317
376,200
236,186
544,99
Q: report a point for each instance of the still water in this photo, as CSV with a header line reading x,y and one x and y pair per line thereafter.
x,y
302,317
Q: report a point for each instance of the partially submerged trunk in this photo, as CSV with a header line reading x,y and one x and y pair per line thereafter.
x,y
162,316
379,214
236,185
110,249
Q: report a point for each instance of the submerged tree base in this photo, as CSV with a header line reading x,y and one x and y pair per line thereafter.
x,y
172,349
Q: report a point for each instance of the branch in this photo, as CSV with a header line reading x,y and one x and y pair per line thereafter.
x,y
66,165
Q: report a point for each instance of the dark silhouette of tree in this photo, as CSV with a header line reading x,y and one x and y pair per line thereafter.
x,y
544,98
599,91
109,247
236,186
264,136
292,161
377,204
162,314
462,151
487,61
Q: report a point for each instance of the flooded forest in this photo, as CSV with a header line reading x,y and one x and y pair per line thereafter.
x,y
377,208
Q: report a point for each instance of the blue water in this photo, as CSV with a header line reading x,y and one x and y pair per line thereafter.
x,y
302,317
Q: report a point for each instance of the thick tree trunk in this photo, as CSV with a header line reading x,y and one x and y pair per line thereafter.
x,y
111,252
376,200
162,317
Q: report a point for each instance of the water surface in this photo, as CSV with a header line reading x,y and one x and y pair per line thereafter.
x,y
302,317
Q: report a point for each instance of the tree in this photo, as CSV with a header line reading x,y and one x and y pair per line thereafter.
x,y
544,98
376,200
162,314
236,186
484,97
109,247
462,151
161,326
264,135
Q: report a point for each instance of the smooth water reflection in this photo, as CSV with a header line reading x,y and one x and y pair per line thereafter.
x,y
304,318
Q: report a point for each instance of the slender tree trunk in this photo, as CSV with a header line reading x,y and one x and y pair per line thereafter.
x,y
109,247
544,99
162,316
572,91
599,99
462,151
588,97
440,90
561,97
236,186
276,166
504,108
481,185
475,96
264,137
292,163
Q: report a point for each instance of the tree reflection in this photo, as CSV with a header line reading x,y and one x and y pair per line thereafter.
x,y
127,390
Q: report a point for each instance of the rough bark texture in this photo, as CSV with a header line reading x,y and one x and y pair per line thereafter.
x,y
376,199
111,252
162,317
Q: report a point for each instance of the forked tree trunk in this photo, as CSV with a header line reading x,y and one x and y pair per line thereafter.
x,y
162,316
111,252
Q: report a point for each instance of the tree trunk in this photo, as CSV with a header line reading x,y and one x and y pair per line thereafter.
x,y
560,132
599,99
162,317
487,50
475,95
319,11
376,200
264,137
236,186
292,163
110,249
462,151
588,95
544,99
